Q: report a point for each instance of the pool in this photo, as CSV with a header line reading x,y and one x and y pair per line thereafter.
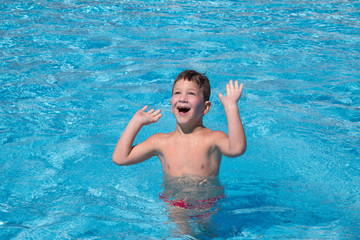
x,y
72,73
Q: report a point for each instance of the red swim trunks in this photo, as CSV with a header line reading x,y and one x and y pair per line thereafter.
x,y
193,204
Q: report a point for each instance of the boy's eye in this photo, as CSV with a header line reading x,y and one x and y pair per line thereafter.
x,y
192,93
176,93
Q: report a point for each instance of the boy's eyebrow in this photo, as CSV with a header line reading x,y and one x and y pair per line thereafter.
x,y
189,88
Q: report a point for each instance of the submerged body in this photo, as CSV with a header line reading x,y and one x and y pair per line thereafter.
x,y
192,200
192,191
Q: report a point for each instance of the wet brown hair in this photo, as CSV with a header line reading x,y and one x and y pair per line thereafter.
x,y
200,79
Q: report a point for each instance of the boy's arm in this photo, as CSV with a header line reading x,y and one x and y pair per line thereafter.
x,y
125,153
235,143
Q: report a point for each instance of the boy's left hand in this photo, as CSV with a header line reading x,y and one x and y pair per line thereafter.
x,y
233,93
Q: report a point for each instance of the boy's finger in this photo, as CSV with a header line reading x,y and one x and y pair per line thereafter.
x,y
236,85
227,89
151,111
158,116
156,112
145,107
155,118
231,85
241,87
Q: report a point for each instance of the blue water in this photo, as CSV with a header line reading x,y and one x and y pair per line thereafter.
x,y
72,74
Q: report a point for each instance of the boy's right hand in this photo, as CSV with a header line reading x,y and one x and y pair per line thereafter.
x,y
146,118
233,93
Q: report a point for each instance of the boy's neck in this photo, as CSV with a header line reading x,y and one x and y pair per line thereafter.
x,y
188,129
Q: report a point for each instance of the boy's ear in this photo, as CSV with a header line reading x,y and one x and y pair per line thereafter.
x,y
207,107
170,105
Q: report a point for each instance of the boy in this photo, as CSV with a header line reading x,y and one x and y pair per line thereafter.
x,y
191,149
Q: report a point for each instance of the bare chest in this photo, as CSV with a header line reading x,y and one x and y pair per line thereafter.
x,y
190,157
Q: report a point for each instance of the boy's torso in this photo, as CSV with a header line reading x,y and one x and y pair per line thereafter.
x,y
194,153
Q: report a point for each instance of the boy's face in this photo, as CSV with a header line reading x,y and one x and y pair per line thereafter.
x,y
187,103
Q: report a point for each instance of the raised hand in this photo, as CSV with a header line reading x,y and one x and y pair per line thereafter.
x,y
233,93
146,118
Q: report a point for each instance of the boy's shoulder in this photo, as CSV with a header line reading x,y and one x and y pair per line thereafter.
x,y
216,134
207,131
214,137
211,136
160,136
160,140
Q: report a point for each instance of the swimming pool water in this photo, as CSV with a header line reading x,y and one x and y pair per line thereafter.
x,y
72,73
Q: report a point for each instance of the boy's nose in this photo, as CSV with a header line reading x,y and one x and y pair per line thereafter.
x,y
183,98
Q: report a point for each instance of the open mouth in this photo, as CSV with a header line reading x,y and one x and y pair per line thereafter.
x,y
183,109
